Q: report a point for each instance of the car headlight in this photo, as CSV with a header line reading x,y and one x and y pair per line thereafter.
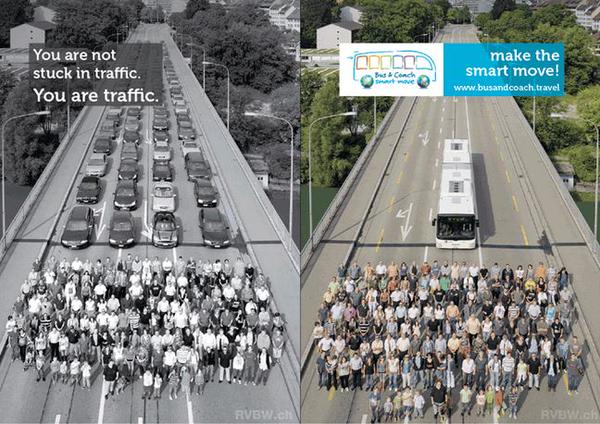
x,y
112,240
129,240
226,242
208,242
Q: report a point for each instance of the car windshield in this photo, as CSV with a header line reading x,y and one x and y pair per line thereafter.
x,y
125,166
96,161
214,226
88,186
164,225
76,225
122,226
125,191
456,227
163,192
205,190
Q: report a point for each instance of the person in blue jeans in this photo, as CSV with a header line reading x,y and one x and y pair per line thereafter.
x,y
322,370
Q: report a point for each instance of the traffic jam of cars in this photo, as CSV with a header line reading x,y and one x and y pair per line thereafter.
x,y
124,127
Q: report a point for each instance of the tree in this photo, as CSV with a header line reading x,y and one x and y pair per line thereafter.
x,y
13,13
588,104
501,6
7,82
556,134
314,14
194,6
583,159
310,83
443,4
555,15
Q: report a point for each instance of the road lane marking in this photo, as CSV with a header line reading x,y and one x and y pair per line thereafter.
x,y
507,176
365,417
331,394
439,142
406,157
442,119
189,409
57,419
502,156
430,213
119,254
434,184
140,420
379,241
444,107
406,228
174,254
440,130
566,381
392,200
399,177
514,199
525,239
426,252
436,162
102,400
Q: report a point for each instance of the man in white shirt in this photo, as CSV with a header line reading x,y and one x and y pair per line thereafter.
x,y
468,369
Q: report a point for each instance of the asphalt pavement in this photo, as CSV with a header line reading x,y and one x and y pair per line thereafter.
x,y
522,221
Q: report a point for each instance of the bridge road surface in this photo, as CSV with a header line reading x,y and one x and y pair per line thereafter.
x,y
42,402
510,230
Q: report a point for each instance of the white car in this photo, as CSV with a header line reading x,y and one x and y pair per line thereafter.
x,y
188,146
96,166
162,151
163,197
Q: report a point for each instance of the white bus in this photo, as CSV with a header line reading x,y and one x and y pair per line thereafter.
x,y
456,221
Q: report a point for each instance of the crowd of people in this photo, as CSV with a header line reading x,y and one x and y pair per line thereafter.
x,y
417,335
171,324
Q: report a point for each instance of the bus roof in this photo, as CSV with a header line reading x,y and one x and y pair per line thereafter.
x,y
456,187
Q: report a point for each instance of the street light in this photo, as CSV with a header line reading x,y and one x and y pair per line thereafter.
x,y
203,62
597,128
425,34
310,210
256,114
228,82
40,113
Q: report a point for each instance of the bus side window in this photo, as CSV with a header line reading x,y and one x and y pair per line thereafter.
x,y
386,62
374,62
398,62
423,63
409,62
361,62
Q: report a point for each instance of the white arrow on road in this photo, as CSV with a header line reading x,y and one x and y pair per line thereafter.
x,y
147,234
424,137
406,228
100,227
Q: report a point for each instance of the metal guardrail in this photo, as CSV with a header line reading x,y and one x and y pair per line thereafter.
x,y
340,196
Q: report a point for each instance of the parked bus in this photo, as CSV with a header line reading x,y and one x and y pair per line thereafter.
x,y
456,221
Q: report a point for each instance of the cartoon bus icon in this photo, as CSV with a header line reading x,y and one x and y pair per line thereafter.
x,y
365,63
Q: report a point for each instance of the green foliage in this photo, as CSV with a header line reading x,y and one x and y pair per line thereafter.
x,y
13,13
588,104
152,14
459,15
557,134
315,14
583,159
310,83
7,82
501,6
443,4
194,6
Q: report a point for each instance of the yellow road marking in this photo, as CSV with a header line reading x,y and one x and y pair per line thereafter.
x,y
331,394
379,241
515,203
566,380
399,177
525,239
507,177
502,156
392,200
405,156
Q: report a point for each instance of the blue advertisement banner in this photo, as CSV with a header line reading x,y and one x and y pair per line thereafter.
x,y
504,69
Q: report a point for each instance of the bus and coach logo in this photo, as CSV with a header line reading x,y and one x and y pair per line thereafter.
x,y
390,69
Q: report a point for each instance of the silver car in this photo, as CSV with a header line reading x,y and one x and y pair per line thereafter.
x,y
163,197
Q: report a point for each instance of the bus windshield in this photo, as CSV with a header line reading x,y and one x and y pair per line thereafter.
x,y
456,227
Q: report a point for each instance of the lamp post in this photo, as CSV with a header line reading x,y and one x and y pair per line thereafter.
x,y
203,61
40,113
310,210
425,34
228,83
256,114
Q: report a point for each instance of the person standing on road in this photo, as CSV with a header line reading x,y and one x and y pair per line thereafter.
x,y
173,383
465,400
533,368
86,374
110,376
513,400
574,373
148,382
264,365
374,400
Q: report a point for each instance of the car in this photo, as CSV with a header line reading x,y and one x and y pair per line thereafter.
x,y
163,197
122,230
134,112
181,108
132,124
96,166
183,117
164,230
161,136
189,146
215,231
177,98
162,151
114,115
161,112
109,128
161,171
89,190
186,131
205,192
131,137
103,145
175,90
79,228
129,151
125,196
160,124
196,166
128,170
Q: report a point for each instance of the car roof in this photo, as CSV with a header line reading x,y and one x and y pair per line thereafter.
x,y
164,216
203,183
122,216
79,212
129,161
194,156
97,156
90,179
126,184
164,184
211,214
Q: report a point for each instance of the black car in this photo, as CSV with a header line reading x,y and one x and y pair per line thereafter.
x,y
128,170
79,228
103,145
215,232
161,171
89,190
129,151
205,192
164,230
131,137
161,112
134,111
125,195
122,230
196,166
161,136
160,124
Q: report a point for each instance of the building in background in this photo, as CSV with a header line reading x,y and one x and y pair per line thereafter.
x,y
350,14
43,14
330,36
259,166
28,33
285,14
